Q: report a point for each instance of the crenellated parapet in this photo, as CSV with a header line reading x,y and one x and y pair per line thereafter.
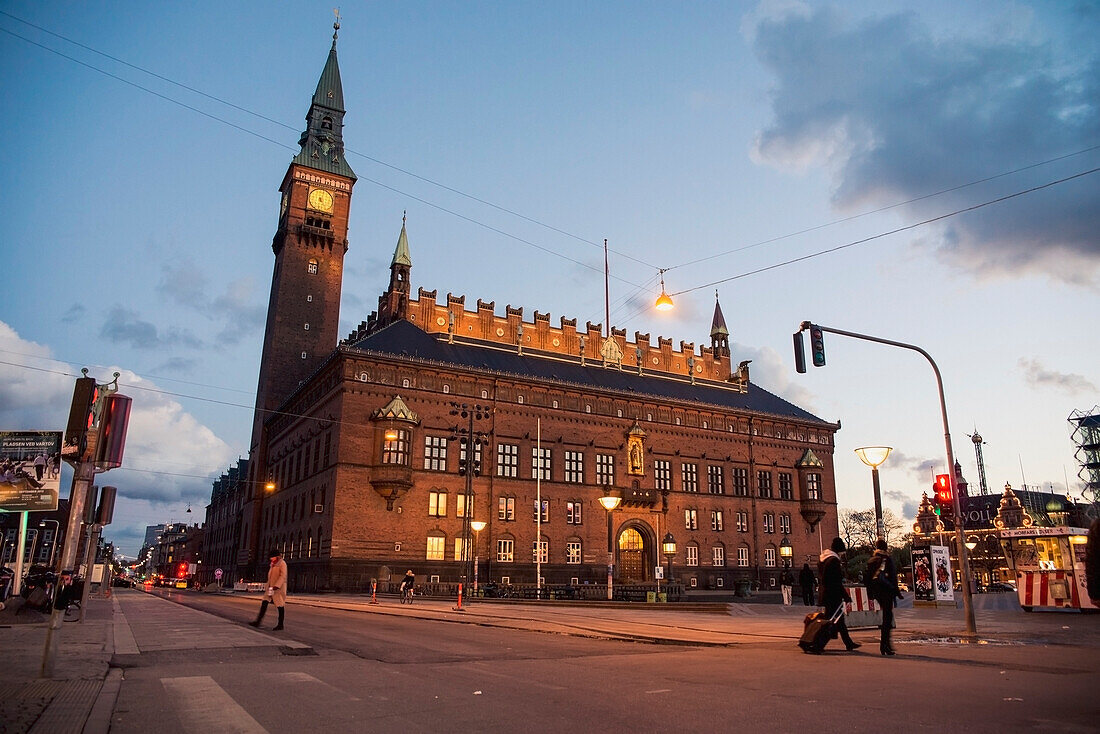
x,y
638,355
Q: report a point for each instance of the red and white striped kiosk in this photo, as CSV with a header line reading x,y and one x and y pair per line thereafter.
x,y
1049,564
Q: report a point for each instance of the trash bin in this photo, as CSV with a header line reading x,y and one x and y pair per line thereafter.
x,y
650,597
741,588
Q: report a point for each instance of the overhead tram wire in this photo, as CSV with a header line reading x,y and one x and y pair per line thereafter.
x,y
470,196
347,150
880,235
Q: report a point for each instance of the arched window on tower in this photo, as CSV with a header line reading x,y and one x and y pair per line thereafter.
x,y
326,123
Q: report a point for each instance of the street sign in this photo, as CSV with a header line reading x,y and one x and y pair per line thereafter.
x,y
658,572
217,573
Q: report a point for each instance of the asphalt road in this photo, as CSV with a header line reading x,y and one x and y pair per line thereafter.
x,y
383,673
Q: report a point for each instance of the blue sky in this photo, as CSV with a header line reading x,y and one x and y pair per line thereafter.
x,y
718,140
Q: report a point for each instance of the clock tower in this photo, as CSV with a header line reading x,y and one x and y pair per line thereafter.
x,y
303,311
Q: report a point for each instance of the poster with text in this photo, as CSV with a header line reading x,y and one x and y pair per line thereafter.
x,y
30,470
944,582
922,575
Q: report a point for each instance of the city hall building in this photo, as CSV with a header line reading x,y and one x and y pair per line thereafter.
x,y
440,433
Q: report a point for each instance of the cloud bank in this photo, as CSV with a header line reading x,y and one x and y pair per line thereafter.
x,y
896,112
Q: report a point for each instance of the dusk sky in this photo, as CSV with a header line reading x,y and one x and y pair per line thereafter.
x,y
926,173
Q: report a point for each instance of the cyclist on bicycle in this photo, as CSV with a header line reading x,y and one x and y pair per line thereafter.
x,y
407,584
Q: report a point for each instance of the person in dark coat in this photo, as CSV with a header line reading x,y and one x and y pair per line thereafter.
x,y
833,593
808,581
1092,563
884,590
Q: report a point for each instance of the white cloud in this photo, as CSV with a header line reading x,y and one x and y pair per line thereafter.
x,y
170,457
1036,375
896,112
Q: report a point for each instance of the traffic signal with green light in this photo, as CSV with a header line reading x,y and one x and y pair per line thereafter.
x,y
817,345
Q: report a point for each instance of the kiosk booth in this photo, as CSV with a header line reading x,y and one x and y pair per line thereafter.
x,y
1049,564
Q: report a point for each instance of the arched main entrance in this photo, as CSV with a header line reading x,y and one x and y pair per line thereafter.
x,y
635,555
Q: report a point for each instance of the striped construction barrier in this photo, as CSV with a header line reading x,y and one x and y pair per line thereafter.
x,y
861,612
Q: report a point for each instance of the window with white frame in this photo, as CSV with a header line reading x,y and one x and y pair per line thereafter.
x,y
743,556
786,486
506,508
691,557
605,469
740,477
540,552
437,503
742,522
540,464
573,551
718,557
435,453
716,521
507,460
716,483
689,473
769,522
662,475
506,550
813,486
691,520
785,524
764,483
573,512
460,547
574,467
436,547
462,456
544,515
769,557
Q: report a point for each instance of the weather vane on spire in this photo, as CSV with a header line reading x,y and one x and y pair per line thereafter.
x,y
336,25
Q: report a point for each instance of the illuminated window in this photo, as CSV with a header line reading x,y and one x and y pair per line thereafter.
x,y
540,463
813,486
605,469
436,549
716,521
543,516
396,450
312,267
662,475
437,503
506,549
719,556
506,508
691,555
574,467
507,460
540,552
691,520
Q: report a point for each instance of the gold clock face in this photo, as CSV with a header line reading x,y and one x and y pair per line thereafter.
x,y
320,200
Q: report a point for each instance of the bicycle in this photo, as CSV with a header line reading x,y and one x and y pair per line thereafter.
x,y
407,595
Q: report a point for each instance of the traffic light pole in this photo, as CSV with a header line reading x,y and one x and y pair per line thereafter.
x,y
960,538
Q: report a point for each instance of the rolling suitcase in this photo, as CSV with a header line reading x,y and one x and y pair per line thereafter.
x,y
819,630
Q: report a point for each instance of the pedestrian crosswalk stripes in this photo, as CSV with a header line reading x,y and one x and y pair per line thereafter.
x,y
202,705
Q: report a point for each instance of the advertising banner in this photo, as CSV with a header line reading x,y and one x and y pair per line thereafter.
x,y
941,568
922,575
30,470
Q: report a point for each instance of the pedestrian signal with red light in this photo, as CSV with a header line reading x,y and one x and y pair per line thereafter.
x,y
943,491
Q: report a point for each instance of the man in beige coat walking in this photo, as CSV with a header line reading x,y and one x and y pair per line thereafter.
x,y
275,592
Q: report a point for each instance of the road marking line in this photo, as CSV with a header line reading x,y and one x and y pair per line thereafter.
x,y
297,676
203,705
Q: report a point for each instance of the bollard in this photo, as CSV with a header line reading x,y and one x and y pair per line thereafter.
x,y
373,592
459,607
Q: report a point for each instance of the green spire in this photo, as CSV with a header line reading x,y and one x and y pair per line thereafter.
x,y
323,139
401,253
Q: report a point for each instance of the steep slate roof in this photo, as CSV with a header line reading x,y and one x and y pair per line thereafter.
x,y
404,339
323,148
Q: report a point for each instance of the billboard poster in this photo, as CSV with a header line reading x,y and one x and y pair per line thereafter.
x,y
30,470
922,575
941,568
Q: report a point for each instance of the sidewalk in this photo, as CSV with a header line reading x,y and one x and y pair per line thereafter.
x,y
134,629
